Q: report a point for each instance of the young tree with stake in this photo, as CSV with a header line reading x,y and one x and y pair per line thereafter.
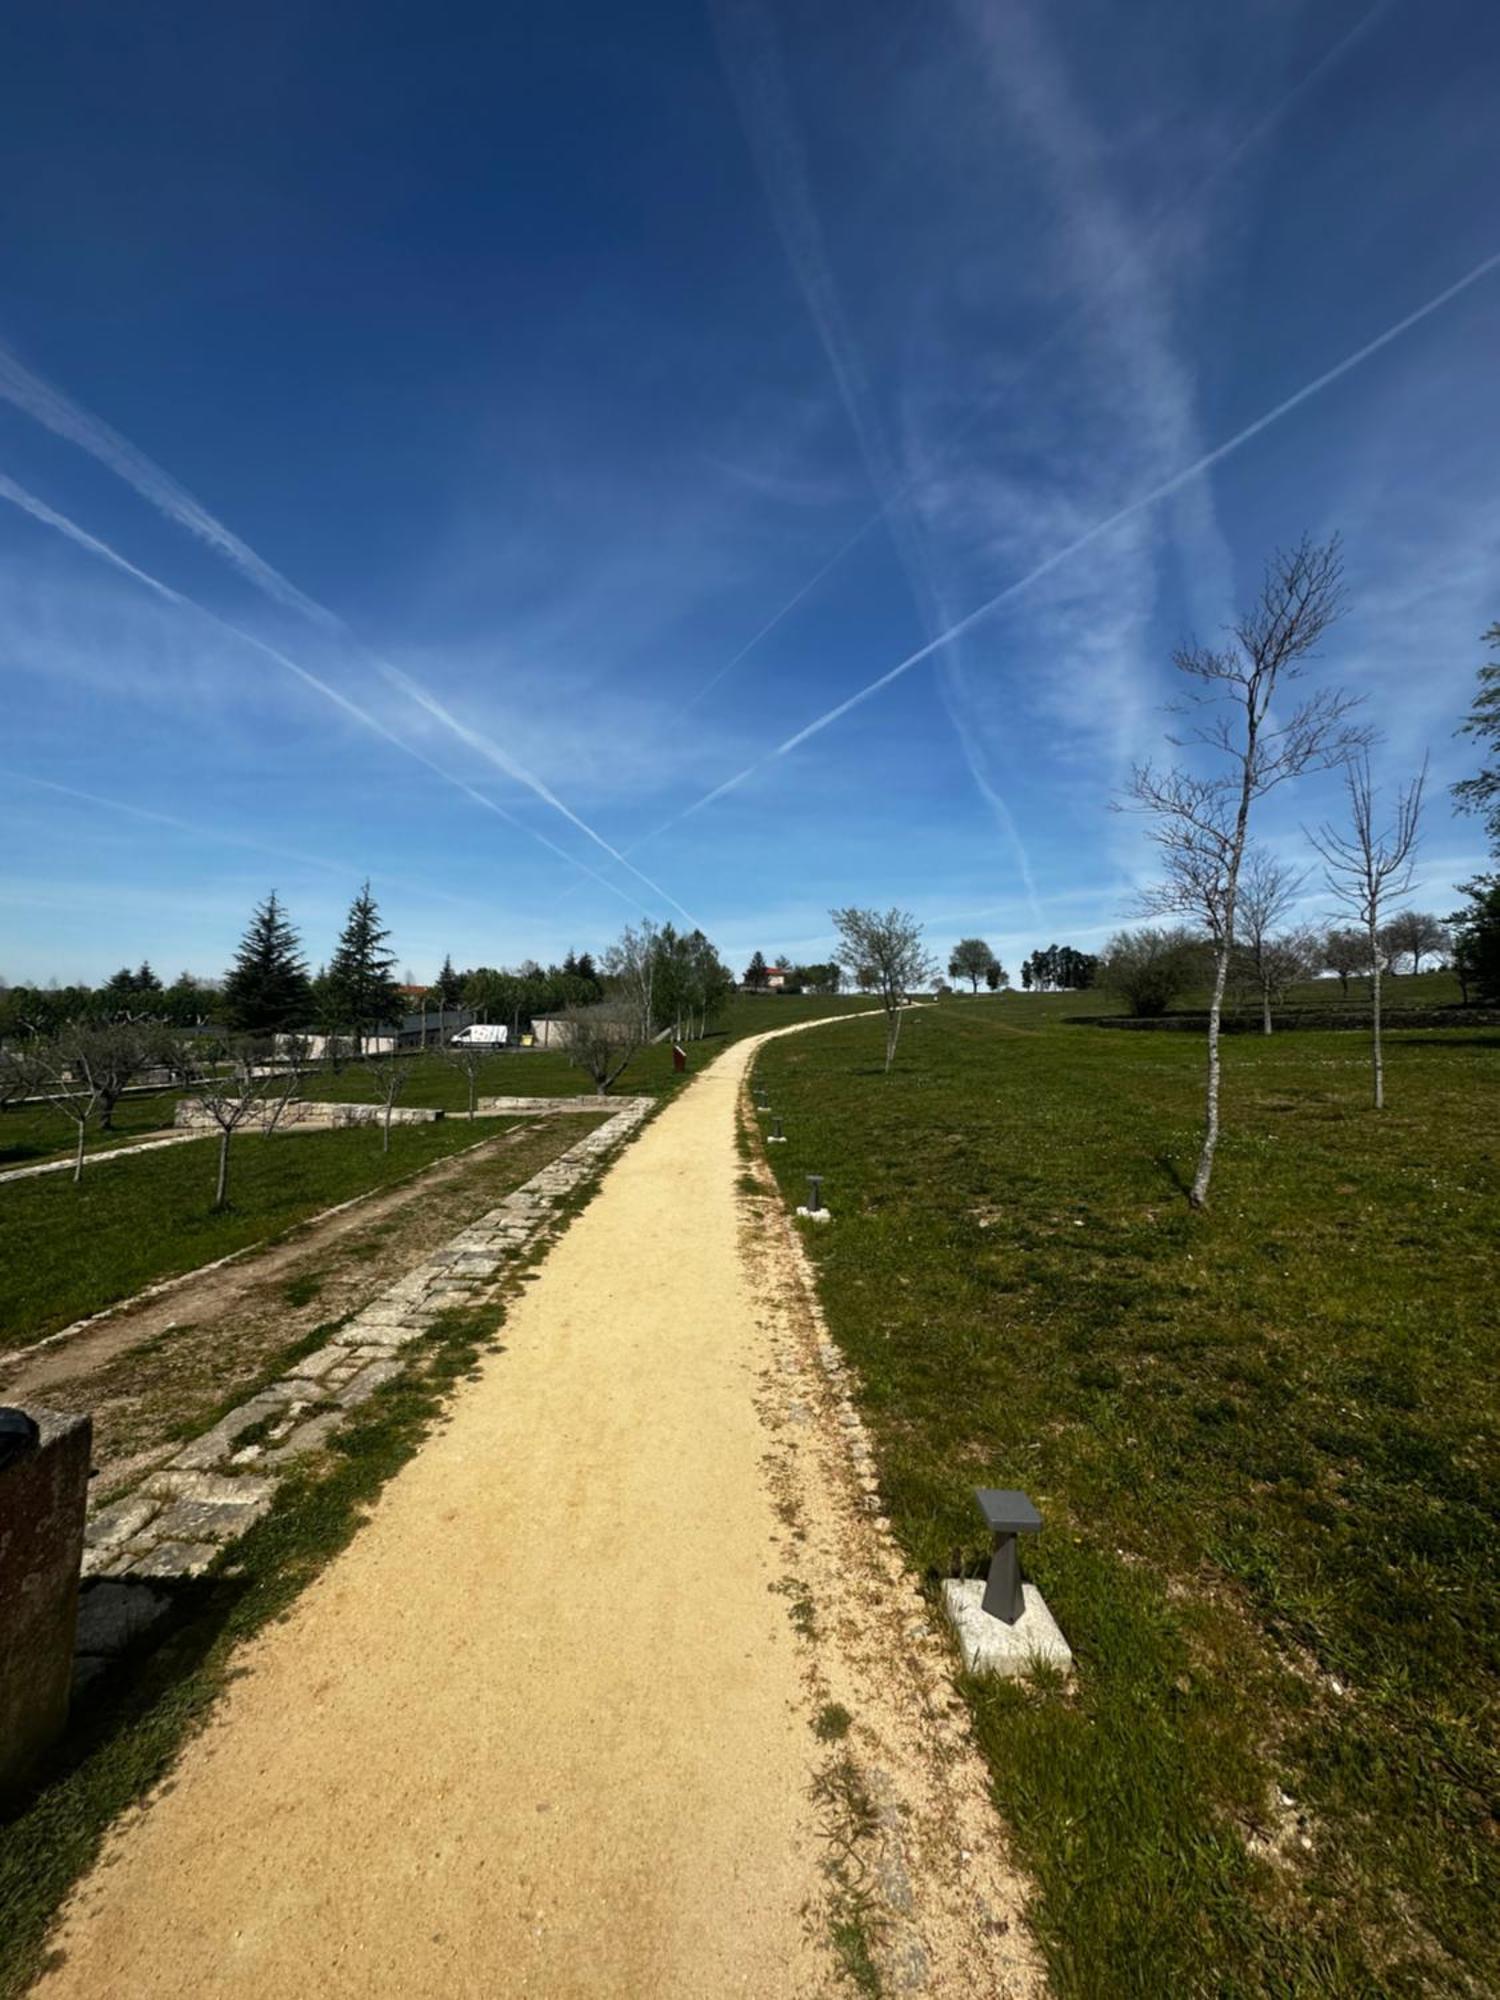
x,y
1201,819
1365,867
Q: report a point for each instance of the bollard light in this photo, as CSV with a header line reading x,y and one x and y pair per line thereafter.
x,y
776,1131
815,1198
1007,1514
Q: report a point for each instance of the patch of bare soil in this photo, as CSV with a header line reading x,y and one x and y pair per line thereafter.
x,y
157,1369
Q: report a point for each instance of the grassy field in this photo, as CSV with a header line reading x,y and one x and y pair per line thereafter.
x,y
66,1251
33,1133
1264,1443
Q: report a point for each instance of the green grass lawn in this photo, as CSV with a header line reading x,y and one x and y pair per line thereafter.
x,y
33,1133
66,1251
1264,1443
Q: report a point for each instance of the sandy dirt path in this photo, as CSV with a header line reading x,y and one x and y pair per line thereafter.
x,y
545,1727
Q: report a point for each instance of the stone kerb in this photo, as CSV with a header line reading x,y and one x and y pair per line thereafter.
x,y
220,1484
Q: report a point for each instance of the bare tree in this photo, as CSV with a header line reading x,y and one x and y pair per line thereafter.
x,y
1414,934
467,1058
1365,866
389,1076
1202,821
1268,889
83,1071
601,1039
233,1091
18,1077
885,952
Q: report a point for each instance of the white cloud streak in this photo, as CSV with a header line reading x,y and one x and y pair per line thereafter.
x,y
56,412
1151,498
49,517
753,65
1096,305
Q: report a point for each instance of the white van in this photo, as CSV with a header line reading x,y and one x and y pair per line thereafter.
x,y
481,1034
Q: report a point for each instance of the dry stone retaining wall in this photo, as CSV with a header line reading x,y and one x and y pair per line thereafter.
x,y
217,1486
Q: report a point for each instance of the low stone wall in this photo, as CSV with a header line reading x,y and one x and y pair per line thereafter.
x,y
309,1112
43,1494
533,1107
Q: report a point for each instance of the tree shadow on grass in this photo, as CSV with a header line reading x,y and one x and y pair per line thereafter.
x,y
1169,1170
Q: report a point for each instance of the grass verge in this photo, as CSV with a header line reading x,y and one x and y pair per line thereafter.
x,y
1265,1444
68,1251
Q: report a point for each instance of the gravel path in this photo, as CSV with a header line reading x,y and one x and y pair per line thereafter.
x,y
545,1727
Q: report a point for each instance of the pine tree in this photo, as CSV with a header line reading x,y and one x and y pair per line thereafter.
x,y
267,990
450,988
361,994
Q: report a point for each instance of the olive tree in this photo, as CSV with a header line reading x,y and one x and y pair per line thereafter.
x,y
1244,739
601,1039
886,953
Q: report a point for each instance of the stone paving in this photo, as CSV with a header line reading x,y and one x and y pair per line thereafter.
x,y
182,1517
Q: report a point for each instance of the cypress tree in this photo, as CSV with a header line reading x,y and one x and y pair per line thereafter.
x,y
267,990
361,992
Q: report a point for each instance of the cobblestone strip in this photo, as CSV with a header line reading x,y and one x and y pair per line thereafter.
x,y
220,1484
99,1159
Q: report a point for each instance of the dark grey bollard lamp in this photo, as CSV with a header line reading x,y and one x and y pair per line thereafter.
x,y
815,1194
1007,1515
776,1131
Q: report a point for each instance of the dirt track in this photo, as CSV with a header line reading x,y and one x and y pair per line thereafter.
x,y
546,1726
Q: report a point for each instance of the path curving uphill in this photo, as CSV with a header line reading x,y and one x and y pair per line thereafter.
x,y
545,1726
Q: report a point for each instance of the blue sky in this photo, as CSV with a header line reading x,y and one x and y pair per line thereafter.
x,y
477,449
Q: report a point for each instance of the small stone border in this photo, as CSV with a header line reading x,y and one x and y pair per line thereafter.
x,y
183,1517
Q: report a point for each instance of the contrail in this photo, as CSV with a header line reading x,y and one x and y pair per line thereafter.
x,y
49,516
50,407
490,749
1156,493
345,869
1071,321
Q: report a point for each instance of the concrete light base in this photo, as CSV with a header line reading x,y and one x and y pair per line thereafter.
x,y
815,1214
773,1140
990,1646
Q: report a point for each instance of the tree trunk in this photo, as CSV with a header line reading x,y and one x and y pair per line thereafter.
x,y
1199,1194
473,1086
385,1132
1265,1007
1377,1060
221,1192
892,1036
78,1156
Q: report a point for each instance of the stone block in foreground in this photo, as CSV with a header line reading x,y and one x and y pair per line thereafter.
x,y
990,1646
43,1497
